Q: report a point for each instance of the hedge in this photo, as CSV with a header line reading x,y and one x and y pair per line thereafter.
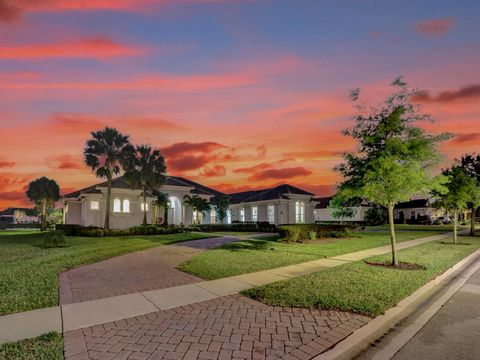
x,y
240,227
94,231
306,232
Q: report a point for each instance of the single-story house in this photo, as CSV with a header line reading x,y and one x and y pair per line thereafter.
x,y
18,216
283,204
323,213
411,210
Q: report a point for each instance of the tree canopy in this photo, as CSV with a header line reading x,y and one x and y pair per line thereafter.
x,y
44,192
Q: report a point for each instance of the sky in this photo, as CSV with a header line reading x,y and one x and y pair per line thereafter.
x,y
238,94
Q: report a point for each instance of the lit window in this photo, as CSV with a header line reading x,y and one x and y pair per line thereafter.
x,y
242,214
94,205
299,212
126,205
144,206
117,205
271,214
254,213
229,216
213,216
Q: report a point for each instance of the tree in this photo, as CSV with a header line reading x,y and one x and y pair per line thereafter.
x,y
44,193
221,207
342,207
198,206
471,164
394,158
461,190
163,201
145,169
106,154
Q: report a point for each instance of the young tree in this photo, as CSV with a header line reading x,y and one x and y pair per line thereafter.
x,y
461,190
342,207
221,207
106,153
471,164
145,169
162,201
198,206
44,193
394,158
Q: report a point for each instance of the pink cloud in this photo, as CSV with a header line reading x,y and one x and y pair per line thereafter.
x,y
435,27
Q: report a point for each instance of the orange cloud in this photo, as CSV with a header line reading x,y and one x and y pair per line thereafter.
x,y
435,27
471,92
214,171
93,48
6,164
285,173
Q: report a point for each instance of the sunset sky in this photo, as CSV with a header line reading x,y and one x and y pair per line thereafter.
x,y
237,94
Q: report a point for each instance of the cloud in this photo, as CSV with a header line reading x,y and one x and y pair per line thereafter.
x,y
470,138
464,93
99,48
252,169
214,171
285,173
7,164
435,27
67,162
12,189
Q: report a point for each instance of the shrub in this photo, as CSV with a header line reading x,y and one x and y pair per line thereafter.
x,y
312,235
53,239
69,229
301,232
95,231
236,226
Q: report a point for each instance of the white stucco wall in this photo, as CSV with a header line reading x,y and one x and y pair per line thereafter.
x,y
326,215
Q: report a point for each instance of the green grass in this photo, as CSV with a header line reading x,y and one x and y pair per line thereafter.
x,y
362,288
268,253
408,227
29,273
45,347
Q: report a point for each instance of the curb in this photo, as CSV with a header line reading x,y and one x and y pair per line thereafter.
x,y
381,325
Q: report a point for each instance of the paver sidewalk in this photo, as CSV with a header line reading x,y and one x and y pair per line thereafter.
x,y
90,313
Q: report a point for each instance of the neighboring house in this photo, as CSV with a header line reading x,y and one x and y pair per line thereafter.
x,y
283,204
280,205
18,216
411,210
325,214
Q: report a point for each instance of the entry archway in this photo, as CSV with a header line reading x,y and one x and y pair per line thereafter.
x,y
175,211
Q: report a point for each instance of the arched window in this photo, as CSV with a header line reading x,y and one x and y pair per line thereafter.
x,y
299,212
126,205
117,205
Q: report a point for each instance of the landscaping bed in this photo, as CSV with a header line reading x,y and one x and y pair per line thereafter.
x,y
267,253
29,272
45,347
362,288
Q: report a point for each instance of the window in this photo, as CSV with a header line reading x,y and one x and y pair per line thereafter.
x,y
299,212
254,213
94,205
144,206
126,205
229,216
242,214
412,215
213,216
117,205
271,214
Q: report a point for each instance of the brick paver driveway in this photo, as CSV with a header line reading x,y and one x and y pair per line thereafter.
x,y
139,271
231,327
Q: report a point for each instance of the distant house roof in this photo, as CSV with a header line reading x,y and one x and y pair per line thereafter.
x,y
122,183
10,211
322,202
278,192
417,203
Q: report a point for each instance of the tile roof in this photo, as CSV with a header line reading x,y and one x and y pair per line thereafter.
x,y
278,192
322,202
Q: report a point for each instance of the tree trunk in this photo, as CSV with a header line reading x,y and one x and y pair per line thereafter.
x,y
44,215
107,206
165,214
144,208
392,236
473,211
455,225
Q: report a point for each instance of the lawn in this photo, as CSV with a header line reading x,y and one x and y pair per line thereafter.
x,y
29,273
362,288
408,227
268,253
45,347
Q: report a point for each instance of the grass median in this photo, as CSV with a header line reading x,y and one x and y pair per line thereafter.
x,y
362,288
45,347
29,272
267,253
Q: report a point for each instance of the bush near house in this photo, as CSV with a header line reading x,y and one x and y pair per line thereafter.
x,y
305,232
236,227
94,231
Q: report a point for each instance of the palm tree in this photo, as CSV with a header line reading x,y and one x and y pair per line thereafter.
x,y
44,193
145,170
197,204
105,153
163,201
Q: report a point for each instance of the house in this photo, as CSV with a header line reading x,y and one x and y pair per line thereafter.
x,y
18,216
279,205
411,210
325,214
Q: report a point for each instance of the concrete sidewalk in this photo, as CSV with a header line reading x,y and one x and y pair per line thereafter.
x,y
89,313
